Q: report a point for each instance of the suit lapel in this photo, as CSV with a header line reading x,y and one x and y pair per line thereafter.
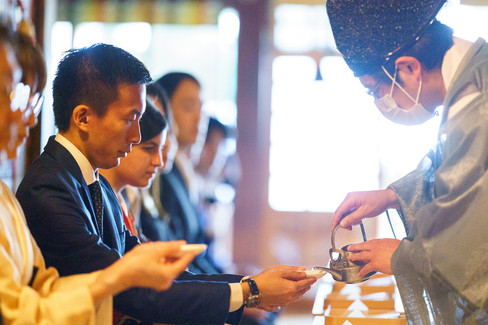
x,y
111,235
64,157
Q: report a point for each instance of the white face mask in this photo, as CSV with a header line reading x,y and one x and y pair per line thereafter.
x,y
417,114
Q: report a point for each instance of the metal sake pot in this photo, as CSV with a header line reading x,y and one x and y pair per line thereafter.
x,y
340,267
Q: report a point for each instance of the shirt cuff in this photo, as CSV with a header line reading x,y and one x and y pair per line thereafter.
x,y
236,296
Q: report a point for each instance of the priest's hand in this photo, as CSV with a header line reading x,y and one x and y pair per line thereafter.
x,y
375,253
359,205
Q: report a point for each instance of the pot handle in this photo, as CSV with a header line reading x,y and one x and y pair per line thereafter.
x,y
363,232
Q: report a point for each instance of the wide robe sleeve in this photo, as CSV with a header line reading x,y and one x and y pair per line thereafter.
x,y
415,189
442,266
40,296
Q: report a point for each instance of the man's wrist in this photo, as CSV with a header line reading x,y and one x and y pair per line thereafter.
x,y
251,295
246,292
115,278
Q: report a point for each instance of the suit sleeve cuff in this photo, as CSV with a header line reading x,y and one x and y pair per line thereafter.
x,y
236,296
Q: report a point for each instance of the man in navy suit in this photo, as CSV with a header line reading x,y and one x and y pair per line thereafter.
x,y
99,96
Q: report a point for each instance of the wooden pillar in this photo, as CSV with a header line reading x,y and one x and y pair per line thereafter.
x,y
253,100
33,143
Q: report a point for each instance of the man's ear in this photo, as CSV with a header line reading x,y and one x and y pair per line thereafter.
x,y
409,69
82,116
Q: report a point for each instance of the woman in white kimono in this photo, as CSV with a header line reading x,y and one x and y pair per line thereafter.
x,y
30,293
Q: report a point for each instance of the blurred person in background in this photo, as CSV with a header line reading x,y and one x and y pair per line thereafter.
x,y
33,81
153,221
178,190
215,191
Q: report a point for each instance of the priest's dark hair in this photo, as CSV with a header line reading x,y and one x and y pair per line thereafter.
x,y
429,50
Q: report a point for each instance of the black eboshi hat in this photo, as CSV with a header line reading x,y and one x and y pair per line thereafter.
x,y
368,32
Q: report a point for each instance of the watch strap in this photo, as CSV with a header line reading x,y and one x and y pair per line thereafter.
x,y
255,296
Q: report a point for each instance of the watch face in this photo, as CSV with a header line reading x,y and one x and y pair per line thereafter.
x,y
253,301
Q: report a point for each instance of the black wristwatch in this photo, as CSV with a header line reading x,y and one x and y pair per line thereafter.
x,y
255,298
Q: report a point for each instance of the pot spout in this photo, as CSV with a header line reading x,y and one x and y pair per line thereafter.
x,y
335,274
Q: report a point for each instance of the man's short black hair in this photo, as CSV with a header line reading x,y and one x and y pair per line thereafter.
x,y
91,76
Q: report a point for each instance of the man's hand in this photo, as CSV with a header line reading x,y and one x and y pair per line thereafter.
x,y
280,285
376,253
152,265
367,204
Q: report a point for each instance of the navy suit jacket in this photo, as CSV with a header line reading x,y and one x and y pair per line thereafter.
x,y
175,199
58,208
185,221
